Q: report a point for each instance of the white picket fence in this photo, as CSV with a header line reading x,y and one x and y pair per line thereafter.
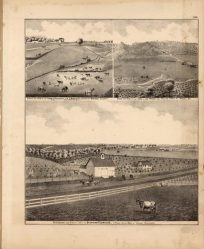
x,y
45,201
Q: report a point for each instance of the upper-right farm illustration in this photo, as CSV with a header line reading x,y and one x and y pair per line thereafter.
x,y
156,58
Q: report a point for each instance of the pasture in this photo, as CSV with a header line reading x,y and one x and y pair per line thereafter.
x,y
64,55
132,75
44,168
53,188
74,83
153,69
174,203
185,154
69,71
39,51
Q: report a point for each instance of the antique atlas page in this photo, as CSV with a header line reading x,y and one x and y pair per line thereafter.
x,y
102,124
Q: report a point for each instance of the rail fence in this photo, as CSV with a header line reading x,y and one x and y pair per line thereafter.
x,y
45,201
83,196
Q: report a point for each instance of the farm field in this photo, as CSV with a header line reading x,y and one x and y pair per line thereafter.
x,y
39,51
61,188
187,154
64,55
67,162
70,71
174,203
136,75
156,69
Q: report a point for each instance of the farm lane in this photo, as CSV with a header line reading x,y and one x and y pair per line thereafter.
x,y
146,180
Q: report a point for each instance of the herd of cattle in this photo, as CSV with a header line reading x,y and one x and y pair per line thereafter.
x,y
66,82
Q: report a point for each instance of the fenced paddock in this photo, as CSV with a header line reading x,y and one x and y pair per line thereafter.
x,y
44,201
84,196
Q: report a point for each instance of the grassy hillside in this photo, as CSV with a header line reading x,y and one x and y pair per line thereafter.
x,y
64,55
37,167
155,48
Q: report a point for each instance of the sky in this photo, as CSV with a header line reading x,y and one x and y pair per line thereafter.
x,y
112,121
127,31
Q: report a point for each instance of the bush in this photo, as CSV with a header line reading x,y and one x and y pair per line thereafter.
x,y
61,66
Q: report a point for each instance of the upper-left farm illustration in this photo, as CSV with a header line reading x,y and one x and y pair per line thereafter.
x,y
67,58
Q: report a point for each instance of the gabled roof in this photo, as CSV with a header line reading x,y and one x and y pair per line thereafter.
x,y
98,162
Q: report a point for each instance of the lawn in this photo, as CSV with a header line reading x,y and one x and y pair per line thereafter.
x,y
174,203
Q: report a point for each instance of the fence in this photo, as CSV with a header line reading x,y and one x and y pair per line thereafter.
x,y
100,193
56,179
83,196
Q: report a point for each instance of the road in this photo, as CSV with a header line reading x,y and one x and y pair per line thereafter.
x,y
146,183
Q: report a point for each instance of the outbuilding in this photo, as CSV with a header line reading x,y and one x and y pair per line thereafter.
x,y
99,167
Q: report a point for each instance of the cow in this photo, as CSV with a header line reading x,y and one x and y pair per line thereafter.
x,y
41,89
65,89
95,182
147,205
83,182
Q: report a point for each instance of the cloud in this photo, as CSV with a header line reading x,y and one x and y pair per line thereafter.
x,y
172,32
130,33
71,31
128,125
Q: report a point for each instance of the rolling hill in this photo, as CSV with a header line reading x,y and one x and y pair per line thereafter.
x,y
63,56
38,167
154,48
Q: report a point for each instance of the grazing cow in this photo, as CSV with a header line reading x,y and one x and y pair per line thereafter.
x,y
89,92
83,182
65,89
60,81
41,89
95,182
147,205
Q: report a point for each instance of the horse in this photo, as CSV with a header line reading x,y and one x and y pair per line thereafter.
x,y
147,205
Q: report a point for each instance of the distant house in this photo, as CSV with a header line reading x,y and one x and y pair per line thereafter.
x,y
144,166
99,167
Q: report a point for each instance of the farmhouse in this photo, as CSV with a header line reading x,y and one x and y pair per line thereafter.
x,y
144,166
99,167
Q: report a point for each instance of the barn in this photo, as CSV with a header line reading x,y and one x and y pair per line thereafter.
x,y
99,167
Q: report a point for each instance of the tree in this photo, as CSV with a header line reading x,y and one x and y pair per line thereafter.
x,y
80,41
169,86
